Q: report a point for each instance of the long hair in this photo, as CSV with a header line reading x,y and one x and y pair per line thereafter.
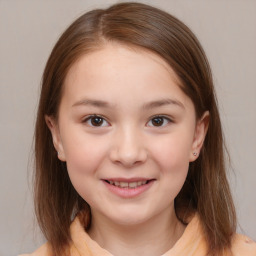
x,y
205,190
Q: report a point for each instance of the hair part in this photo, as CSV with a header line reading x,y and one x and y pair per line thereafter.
x,y
206,188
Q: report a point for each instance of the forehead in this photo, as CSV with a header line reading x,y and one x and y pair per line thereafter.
x,y
107,55
122,71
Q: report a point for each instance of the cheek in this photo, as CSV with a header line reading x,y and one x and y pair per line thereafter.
x,y
173,165
83,156
173,152
172,157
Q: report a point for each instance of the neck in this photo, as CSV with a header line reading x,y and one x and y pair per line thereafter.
x,y
139,239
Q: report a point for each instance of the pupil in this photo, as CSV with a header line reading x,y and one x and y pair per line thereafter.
x,y
97,121
157,121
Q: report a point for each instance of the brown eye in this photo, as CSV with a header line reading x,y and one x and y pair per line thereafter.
x,y
96,121
159,121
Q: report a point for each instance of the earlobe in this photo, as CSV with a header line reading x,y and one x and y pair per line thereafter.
x,y
199,136
57,142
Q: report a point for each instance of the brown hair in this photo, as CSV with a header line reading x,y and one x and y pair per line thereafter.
x,y
206,189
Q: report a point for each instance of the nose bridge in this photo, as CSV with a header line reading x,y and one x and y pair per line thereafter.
x,y
128,147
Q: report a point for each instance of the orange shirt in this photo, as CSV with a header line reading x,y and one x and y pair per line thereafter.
x,y
191,243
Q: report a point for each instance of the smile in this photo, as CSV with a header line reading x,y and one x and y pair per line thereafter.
x,y
128,188
123,184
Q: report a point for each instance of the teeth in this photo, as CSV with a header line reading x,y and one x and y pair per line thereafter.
x,y
133,184
116,183
122,184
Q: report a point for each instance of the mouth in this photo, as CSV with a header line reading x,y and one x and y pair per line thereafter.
x,y
128,184
128,188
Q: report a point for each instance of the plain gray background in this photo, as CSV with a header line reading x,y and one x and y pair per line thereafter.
x,y
28,31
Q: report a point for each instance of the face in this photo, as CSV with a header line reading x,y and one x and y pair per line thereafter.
x,y
127,133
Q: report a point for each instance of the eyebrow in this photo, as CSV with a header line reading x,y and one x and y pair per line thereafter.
x,y
163,102
149,105
92,102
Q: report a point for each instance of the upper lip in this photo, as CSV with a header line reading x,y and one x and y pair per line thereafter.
x,y
135,179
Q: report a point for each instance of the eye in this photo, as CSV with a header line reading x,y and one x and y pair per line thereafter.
x,y
96,121
159,121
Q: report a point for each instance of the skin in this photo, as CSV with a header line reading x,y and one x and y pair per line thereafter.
x,y
127,142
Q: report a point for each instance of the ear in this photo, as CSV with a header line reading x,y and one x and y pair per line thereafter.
x,y
199,136
56,138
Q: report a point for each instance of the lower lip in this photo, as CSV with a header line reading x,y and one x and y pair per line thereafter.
x,y
129,192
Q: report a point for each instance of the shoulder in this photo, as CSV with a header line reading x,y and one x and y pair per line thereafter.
x,y
243,245
44,250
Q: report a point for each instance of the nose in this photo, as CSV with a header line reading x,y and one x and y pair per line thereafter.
x,y
128,148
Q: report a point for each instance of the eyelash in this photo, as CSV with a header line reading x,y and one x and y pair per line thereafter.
x,y
165,118
89,119
103,119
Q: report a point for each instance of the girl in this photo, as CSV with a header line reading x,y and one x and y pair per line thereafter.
x,y
128,142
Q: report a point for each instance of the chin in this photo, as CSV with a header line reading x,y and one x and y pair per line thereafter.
x,y
130,216
130,221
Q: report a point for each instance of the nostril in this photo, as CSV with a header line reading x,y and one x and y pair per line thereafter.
x,y
128,153
129,158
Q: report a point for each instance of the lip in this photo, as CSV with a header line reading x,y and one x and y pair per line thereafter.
x,y
128,192
128,179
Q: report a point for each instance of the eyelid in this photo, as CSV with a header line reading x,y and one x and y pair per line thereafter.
x,y
89,117
168,118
